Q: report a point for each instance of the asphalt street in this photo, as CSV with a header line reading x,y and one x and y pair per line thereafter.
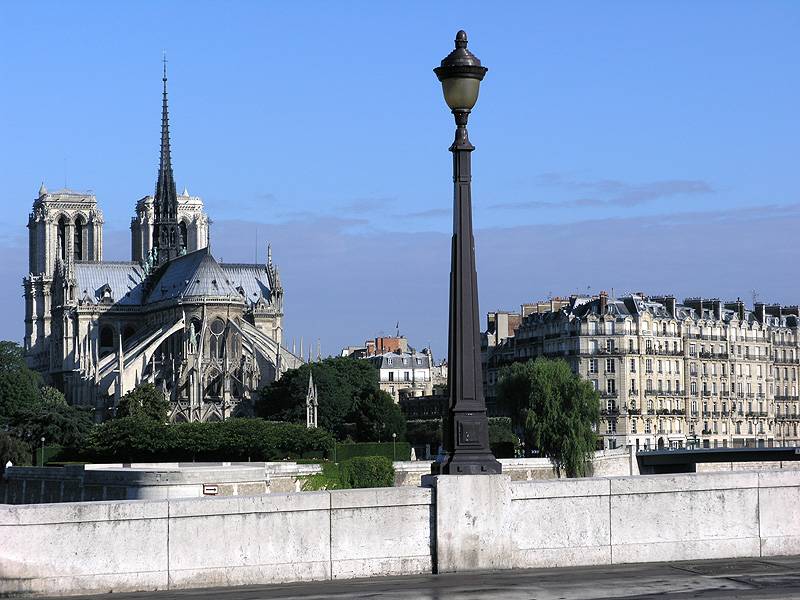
x,y
773,578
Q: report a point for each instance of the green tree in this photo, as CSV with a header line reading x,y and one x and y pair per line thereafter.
x,y
556,409
377,417
19,386
50,416
15,450
341,382
144,401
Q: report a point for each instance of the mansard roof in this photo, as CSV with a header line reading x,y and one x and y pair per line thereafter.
x,y
193,275
124,279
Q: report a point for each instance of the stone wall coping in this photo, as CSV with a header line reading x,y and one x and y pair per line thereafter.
x,y
265,503
773,479
381,497
560,488
82,512
688,482
184,476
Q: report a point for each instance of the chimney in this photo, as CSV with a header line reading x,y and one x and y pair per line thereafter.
x,y
761,311
791,310
738,306
716,306
669,301
603,302
774,310
697,304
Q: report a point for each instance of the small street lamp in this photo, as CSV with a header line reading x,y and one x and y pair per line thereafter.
x,y
41,460
466,428
394,446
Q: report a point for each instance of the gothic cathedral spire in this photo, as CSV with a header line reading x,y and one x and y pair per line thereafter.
x,y
166,232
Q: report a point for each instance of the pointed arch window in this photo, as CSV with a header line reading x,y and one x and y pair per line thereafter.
x,y
77,238
184,241
62,237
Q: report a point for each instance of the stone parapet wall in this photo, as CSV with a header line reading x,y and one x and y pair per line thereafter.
x,y
80,483
168,544
457,523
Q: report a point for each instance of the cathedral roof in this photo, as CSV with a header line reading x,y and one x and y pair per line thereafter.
x,y
196,274
253,280
124,280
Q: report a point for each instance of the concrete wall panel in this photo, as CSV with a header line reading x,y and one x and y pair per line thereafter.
x,y
61,548
385,531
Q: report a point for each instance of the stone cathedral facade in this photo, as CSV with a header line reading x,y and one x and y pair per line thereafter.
x,y
207,333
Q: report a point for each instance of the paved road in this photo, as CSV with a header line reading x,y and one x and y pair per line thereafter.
x,y
774,578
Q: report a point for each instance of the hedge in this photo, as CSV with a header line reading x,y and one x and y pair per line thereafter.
x,y
385,449
367,472
502,439
132,439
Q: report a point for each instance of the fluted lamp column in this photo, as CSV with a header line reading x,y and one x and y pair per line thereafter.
x,y
466,427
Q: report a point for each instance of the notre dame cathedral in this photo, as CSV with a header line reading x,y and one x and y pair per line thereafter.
x,y
207,333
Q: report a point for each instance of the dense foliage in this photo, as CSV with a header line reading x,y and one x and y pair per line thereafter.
x,y
358,472
19,386
556,409
131,439
402,450
350,400
367,472
146,401
502,439
15,450
29,410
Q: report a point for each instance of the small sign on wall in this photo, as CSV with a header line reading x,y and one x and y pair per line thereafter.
x,y
210,489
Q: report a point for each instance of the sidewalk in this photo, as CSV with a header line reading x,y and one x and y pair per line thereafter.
x,y
771,578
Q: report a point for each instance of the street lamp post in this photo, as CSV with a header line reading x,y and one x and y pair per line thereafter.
x,y
466,428
41,460
394,446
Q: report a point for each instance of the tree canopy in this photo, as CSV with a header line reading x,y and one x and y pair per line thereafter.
x,y
29,410
348,393
556,409
144,401
19,386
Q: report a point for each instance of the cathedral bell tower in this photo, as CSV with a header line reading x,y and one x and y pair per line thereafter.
x,y
167,234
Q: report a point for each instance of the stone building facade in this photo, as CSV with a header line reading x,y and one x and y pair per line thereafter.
x,y
704,373
209,334
408,374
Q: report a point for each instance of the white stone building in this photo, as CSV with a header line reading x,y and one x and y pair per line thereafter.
x,y
408,374
703,373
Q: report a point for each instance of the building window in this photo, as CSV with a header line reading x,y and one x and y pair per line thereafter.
x,y
648,365
406,376
391,375
610,365
611,386
592,365
633,365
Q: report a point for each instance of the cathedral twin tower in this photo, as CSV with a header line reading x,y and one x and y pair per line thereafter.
x,y
209,334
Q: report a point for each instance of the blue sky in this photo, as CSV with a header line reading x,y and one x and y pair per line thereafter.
x,y
628,145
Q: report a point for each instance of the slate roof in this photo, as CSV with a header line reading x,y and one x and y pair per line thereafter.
x,y
124,279
196,274
251,278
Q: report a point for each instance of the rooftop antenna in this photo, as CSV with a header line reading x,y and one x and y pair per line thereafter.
x,y
255,249
755,295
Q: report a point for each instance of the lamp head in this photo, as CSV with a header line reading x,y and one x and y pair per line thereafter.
x,y
461,74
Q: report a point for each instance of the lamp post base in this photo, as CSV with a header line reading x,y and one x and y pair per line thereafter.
x,y
468,464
